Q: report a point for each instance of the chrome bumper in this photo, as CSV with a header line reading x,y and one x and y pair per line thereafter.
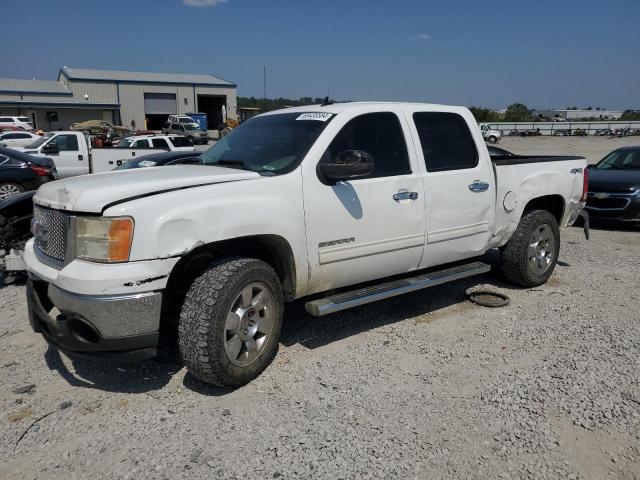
x,y
112,316
116,327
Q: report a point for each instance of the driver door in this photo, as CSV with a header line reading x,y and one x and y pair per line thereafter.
x,y
68,158
371,227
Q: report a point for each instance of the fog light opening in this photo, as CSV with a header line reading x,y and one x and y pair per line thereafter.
x,y
83,331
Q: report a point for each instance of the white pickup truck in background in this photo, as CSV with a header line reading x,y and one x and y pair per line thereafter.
x,y
303,202
73,155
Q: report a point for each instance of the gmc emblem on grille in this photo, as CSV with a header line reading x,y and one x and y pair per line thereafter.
x,y
601,196
41,233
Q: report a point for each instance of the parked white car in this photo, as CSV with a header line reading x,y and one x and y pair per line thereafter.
x,y
13,139
73,155
19,121
293,203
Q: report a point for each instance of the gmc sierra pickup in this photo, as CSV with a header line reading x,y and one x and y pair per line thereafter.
x,y
303,202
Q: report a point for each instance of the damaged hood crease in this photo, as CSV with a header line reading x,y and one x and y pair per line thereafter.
x,y
93,193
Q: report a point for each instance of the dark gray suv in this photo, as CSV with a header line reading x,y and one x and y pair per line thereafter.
x,y
190,131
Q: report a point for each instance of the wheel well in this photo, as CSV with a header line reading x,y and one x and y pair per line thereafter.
x,y
553,204
271,249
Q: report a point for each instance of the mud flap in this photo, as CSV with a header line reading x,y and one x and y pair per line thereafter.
x,y
585,226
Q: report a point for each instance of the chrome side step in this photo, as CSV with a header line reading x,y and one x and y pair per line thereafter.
x,y
343,301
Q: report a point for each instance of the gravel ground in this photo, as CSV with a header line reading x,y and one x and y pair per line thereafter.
x,y
423,386
426,385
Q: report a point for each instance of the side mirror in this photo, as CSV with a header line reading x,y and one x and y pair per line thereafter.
x,y
51,147
590,166
348,165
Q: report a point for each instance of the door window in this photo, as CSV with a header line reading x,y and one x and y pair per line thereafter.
x,y
160,143
378,134
140,144
181,142
446,141
66,143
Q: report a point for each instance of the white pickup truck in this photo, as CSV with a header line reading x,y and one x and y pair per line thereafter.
x,y
73,156
303,202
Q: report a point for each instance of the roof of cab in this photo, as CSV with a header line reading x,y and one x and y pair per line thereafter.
x,y
346,106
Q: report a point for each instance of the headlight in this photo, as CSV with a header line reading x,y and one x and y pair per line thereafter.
x,y
104,239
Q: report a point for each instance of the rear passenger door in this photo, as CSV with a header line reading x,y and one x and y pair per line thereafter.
x,y
459,185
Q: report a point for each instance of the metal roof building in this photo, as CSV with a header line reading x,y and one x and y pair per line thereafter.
x,y
139,100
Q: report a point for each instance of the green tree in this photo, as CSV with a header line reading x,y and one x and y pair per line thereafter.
x,y
518,112
633,115
485,114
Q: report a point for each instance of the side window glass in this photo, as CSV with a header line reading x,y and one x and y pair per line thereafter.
x,y
143,143
160,143
378,134
67,143
446,141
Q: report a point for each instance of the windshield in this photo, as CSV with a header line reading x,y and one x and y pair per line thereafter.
x,y
186,120
191,127
272,143
124,143
621,160
40,141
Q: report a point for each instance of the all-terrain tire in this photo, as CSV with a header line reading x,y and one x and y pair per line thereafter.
x,y
201,328
516,264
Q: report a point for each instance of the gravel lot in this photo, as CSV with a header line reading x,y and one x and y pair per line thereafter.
x,y
422,386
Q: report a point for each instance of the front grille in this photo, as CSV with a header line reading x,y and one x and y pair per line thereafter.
x,y
610,203
50,229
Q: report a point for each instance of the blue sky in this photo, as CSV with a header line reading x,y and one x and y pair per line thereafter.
x,y
546,53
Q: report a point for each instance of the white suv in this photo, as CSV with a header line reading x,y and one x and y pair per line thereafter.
x,y
20,122
185,119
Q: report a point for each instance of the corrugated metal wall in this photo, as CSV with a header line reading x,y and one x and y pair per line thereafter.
x,y
129,95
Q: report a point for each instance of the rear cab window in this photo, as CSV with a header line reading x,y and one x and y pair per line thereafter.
x,y
446,141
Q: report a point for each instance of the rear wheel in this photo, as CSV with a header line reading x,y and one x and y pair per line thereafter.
x,y
531,255
230,322
8,189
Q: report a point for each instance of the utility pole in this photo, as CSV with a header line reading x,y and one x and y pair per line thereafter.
x,y
264,94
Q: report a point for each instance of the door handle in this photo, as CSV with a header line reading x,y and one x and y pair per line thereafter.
x,y
405,195
478,186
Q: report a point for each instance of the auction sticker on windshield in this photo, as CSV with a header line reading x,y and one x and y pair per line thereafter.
x,y
319,116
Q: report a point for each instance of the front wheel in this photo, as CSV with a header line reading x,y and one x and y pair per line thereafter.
x,y
9,189
230,322
493,139
532,252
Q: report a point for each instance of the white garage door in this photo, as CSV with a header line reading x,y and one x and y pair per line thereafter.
x,y
160,103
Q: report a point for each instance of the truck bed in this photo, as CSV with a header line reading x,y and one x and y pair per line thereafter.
x,y
522,159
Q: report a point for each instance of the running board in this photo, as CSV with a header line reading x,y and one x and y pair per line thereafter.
x,y
343,301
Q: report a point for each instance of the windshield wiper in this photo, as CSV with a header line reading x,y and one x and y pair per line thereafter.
x,y
232,163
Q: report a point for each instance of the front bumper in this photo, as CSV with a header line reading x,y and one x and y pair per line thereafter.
x,y
122,328
627,211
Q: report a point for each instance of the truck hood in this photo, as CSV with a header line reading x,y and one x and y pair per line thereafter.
x,y
91,193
